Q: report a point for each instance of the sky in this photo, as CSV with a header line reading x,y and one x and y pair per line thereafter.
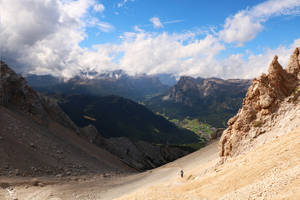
x,y
199,38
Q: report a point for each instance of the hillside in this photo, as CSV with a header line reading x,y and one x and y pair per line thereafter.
x,y
249,176
210,100
37,138
37,126
115,116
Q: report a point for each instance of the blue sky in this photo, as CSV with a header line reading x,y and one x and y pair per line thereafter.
x,y
189,15
227,39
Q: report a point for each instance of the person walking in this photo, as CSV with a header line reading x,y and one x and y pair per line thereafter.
x,y
181,173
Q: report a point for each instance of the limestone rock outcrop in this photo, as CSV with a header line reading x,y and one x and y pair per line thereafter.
x,y
264,102
293,66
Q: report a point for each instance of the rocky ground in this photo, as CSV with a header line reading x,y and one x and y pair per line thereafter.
x,y
100,187
37,137
29,149
271,171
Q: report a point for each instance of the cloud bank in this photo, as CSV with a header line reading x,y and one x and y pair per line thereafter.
x,y
246,24
43,37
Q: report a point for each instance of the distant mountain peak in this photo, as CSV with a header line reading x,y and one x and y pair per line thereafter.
x,y
189,90
115,74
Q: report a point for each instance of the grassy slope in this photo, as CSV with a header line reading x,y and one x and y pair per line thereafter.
x,y
115,116
203,130
215,111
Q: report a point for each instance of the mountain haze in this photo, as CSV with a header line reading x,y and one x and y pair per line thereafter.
x,y
117,82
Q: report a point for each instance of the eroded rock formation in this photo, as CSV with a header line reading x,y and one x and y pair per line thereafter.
x,y
261,104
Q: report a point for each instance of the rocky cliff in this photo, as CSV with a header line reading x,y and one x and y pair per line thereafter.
x,y
16,94
271,107
189,91
210,100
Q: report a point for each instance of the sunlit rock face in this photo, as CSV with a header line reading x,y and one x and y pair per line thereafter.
x,y
268,97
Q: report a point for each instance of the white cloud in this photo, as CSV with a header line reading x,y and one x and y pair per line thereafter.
x,y
43,37
252,65
240,28
173,21
246,24
123,3
74,9
137,29
183,54
156,22
103,26
99,8
165,53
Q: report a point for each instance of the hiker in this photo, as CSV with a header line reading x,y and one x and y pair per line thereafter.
x,y
181,173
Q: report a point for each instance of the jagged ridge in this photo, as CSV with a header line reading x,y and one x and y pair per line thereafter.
x,y
264,98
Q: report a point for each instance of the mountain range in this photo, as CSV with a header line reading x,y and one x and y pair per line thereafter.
x,y
116,82
38,138
257,156
210,100
35,125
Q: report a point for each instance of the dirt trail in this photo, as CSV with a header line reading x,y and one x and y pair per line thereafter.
x,y
105,188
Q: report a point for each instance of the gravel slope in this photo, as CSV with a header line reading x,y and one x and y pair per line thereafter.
x,y
270,171
101,187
